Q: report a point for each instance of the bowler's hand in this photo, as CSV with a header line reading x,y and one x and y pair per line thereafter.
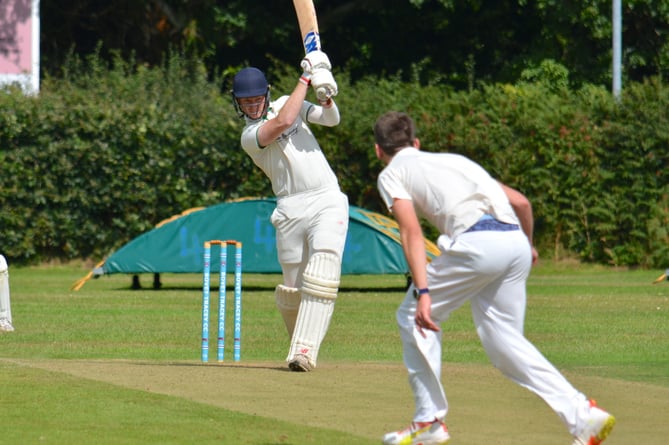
x,y
424,315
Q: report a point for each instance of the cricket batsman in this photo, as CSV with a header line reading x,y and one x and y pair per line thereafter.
x,y
311,216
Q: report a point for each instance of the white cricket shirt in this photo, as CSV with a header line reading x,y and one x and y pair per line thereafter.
x,y
294,162
449,190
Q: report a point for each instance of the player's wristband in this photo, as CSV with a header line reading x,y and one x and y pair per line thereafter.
x,y
305,78
418,292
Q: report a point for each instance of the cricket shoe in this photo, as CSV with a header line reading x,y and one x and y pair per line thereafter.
x,y
300,363
5,325
597,427
419,433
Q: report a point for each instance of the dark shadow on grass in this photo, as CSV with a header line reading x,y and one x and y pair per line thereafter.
x,y
157,284
259,288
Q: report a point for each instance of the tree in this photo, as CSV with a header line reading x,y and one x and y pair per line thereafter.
x,y
458,42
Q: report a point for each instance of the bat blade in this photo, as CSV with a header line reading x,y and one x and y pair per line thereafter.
x,y
306,17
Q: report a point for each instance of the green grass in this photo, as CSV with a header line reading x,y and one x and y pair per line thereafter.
x,y
588,320
43,407
604,322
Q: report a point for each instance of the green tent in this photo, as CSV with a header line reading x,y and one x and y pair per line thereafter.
x,y
176,245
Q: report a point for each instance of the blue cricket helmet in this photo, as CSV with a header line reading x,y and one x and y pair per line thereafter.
x,y
249,82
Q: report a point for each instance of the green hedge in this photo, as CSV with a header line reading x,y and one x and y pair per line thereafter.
x,y
105,153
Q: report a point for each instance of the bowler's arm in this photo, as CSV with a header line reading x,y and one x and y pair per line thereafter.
x,y
523,208
413,245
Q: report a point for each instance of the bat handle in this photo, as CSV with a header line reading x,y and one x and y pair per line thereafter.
x,y
323,94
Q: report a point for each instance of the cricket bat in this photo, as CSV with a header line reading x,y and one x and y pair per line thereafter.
x,y
306,17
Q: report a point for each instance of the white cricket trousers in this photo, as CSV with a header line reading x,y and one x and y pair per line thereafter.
x,y
489,269
5,307
306,223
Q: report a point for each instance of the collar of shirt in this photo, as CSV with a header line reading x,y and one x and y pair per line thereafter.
x,y
406,151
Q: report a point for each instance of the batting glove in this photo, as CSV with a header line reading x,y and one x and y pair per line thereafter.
x,y
315,60
324,84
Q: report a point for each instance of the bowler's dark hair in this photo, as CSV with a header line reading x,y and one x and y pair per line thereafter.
x,y
394,130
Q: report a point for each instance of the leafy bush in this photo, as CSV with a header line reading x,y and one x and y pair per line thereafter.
x,y
106,152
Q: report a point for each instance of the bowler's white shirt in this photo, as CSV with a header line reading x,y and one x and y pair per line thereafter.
x,y
449,190
294,162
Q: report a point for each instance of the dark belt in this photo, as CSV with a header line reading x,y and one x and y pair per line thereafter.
x,y
492,225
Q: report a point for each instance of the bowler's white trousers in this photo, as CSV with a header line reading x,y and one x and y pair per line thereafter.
x,y
489,269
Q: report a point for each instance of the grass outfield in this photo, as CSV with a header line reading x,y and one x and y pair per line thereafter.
x,y
111,365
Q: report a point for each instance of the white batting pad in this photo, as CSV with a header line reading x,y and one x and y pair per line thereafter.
x,y
319,291
321,277
313,320
288,302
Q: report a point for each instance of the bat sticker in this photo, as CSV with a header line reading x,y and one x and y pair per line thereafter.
x,y
312,42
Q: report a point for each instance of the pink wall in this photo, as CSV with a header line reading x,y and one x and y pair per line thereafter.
x,y
15,36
